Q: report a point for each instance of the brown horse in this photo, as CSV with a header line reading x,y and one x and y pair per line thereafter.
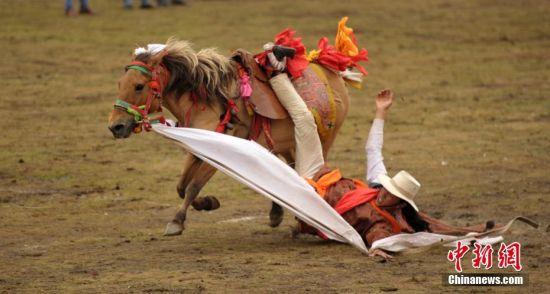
x,y
217,77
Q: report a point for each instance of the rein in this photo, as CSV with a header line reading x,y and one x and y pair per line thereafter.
x,y
245,91
159,79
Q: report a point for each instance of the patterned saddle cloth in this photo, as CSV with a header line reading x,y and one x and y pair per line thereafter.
x,y
313,87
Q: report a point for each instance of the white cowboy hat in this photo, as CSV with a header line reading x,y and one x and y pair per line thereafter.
x,y
402,185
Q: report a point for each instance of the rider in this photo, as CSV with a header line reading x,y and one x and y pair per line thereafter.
x,y
378,210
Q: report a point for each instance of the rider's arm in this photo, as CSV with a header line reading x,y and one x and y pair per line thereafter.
x,y
375,160
373,148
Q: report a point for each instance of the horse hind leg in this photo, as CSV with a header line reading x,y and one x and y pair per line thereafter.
x,y
275,215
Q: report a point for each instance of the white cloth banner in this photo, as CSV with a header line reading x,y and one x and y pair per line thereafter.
x,y
402,242
253,165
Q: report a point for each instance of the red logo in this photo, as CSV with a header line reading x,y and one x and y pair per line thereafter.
x,y
508,256
483,255
457,255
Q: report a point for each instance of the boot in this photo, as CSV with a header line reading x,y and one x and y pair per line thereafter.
x,y
276,59
281,52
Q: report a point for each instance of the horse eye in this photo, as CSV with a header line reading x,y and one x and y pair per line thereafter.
x,y
139,87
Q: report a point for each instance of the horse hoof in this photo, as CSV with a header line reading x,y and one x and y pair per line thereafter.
x,y
214,203
173,229
275,215
275,220
206,203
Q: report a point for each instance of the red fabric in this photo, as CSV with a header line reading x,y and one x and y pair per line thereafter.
x,y
363,195
336,60
227,117
296,65
261,124
361,56
355,198
330,57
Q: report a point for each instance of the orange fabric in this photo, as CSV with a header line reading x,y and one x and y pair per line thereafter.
x,y
395,225
360,184
325,181
345,39
346,43
355,198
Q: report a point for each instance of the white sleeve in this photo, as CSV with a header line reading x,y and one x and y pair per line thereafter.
x,y
375,161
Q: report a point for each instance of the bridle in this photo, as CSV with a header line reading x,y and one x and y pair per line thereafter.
x,y
159,79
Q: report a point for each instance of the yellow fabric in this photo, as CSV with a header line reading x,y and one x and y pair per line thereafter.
x,y
355,84
344,41
313,55
324,130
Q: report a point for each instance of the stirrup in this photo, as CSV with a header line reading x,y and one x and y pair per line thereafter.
x,y
281,52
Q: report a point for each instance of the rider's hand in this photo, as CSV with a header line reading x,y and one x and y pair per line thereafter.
x,y
381,253
384,101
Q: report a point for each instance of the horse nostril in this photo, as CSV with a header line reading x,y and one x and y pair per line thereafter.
x,y
117,129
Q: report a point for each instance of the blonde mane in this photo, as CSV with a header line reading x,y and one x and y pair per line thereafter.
x,y
211,75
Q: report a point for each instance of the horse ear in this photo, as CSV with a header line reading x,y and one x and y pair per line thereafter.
x,y
156,59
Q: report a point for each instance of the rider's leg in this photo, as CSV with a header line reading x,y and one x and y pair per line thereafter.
x,y
309,152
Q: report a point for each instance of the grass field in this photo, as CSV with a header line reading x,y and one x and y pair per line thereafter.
x,y
82,212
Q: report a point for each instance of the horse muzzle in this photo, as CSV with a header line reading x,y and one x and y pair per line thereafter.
x,y
122,129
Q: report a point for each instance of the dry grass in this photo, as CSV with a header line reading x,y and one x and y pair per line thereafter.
x,y
80,211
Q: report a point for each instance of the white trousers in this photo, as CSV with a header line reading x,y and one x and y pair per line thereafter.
x,y
309,151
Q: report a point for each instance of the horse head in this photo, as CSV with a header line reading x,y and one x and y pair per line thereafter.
x,y
136,91
146,81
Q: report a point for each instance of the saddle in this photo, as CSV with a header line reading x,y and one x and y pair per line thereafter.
x,y
263,98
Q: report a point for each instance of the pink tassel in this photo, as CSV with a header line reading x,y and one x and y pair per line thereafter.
x,y
246,89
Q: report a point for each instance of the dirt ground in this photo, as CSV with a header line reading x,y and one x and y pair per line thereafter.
x,y
82,212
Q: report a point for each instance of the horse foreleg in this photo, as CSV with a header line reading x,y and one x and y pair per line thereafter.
x,y
200,177
190,166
